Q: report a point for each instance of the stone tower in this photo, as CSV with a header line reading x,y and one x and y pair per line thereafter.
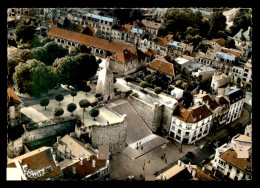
x,y
105,84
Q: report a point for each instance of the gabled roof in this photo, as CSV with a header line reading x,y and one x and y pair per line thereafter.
x,y
230,156
220,41
124,56
164,41
10,92
92,41
203,175
193,114
236,53
212,103
235,95
128,27
162,66
37,160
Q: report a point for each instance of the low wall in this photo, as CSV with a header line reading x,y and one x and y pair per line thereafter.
x,y
58,128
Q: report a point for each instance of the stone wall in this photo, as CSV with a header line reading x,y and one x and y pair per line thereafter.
x,y
151,114
58,128
112,135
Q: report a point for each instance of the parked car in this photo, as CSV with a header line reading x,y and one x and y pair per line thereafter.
x,y
130,177
189,154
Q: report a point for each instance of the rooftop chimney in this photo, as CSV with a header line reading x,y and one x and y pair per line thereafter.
x,y
203,169
70,154
80,161
193,173
93,163
179,163
58,139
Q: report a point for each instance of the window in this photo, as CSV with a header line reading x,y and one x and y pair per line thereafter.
x,y
238,171
187,133
173,128
110,23
244,79
230,167
179,131
228,174
246,70
245,75
105,22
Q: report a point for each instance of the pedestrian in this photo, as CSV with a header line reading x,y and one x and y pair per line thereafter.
x,y
142,148
165,160
137,147
143,168
149,161
164,155
141,175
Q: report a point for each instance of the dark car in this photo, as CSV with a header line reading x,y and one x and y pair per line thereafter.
x,y
189,154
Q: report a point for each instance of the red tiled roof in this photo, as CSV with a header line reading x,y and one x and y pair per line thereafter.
x,y
238,54
151,52
231,157
165,40
86,168
212,103
124,56
223,100
37,160
92,41
139,23
11,92
162,66
220,41
50,21
128,27
204,176
192,115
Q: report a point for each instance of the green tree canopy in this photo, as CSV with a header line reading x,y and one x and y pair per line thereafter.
x,y
44,102
49,52
58,111
26,55
23,34
143,84
59,98
158,90
94,113
242,20
84,103
34,78
72,70
129,78
71,108
11,64
73,94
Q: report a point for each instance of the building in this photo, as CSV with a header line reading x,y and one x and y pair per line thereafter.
x,y
176,48
226,57
234,160
183,62
218,80
190,125
248,130
164,67
147,41
124,59
182,171
78,160
152,27
243,38
236,98
162,43
13,108
37,165
177,93
100,22
247,74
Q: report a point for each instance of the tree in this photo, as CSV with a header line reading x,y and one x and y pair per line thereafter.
x,y
158,90
122,14
218,22
11,64
26,55
59,98
23,34
242,20
84,103
34,78
230,43
73,94
128,78
143,84
12,42
44,102
58,111
72,70
67,23
71,108
94,113
184,85
178,82
49,52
